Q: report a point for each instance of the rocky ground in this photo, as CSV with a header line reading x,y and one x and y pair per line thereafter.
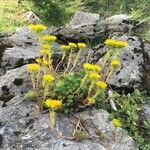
x,y
23,128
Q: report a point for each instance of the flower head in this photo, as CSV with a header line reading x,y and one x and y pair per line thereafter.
x,y
45,62
65,47
38,60
48,78
46,47
91,67
91,101
94,76
115,63
49,38
116,43
33,67
37,27
101,84
116,122
53,104
44,51
81,45
72,45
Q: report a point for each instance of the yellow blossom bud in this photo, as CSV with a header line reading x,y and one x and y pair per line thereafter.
x,y
94,76
48,78
49,38
72,45
81,45
91,101
33,67
65,47
44,51
116,122
116,43
96,68
37,27
38,60
101,84
87,66
46,47
45,62
53,104
115,63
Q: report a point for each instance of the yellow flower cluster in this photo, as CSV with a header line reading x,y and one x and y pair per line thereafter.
x,y
64,47
101,84
48,78
91,67
46,47
49,38
115,63
44,51
45,62
37,27
91,101
94,76
116,123
33,67
38,60
81,45
72,45
53,104
116,43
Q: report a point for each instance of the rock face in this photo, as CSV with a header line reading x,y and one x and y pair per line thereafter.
x,y
82,18
14,82
24,49
135,68
22,128
99,30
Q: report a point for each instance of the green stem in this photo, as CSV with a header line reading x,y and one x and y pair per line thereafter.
x,y
52,116
76,60
90,88
64,54
69,61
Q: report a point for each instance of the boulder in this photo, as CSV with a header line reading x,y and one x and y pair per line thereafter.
x,y
135,67
83,18
77,30
23,128
14,82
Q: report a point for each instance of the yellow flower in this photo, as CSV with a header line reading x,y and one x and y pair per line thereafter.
x,y
38,60
44,51
46,47
72,45
91,101
81,45
87,66
91,67
64,47
37,27
94,76
101,84
115,63
50,38
45,62
48,78
116,43
96,68
53,104
116,123
33,67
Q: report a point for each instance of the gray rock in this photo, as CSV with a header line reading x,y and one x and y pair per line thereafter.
x,y
98,31
24,128
147,111
24,50
14,82
135,68
83,18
